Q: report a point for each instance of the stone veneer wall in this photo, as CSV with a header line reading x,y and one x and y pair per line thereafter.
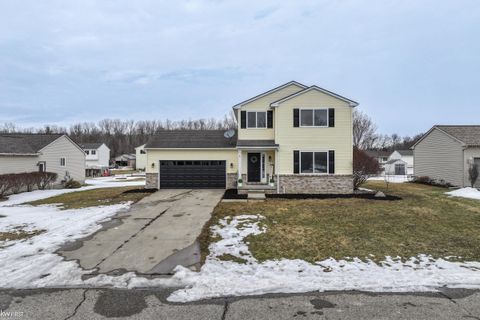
x,y
151,180
231,180
326,184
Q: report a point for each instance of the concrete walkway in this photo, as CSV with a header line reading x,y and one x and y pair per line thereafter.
x,y
152,304
154,236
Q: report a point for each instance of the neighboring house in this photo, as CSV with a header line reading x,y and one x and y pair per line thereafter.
x,y
300,137
380,155
42,152
407,157
446,152
125,160
141,157
97,158
396,167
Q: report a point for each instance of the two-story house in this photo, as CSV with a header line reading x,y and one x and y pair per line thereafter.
x,y
97,158
291,139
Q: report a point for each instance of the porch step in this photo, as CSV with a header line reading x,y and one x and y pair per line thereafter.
x,y
256,195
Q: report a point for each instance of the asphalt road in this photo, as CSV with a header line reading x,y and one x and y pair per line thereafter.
x,y
152,304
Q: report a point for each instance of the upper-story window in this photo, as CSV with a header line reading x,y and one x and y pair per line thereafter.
x,y
63,162
94,152
256,119
87,152
314,117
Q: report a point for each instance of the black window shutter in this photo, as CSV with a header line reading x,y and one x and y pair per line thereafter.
x,y
296,161
331,161
243,119
331,117
296,118
270,119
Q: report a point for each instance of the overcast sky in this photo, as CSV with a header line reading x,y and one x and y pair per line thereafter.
x,y
410,64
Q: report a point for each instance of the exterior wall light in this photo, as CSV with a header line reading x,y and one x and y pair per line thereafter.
x,y
153,164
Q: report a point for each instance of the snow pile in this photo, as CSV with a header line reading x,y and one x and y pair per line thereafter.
x,y
391,178
470,193
225,278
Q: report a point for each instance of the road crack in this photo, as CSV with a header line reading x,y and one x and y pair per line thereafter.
x,y
84,298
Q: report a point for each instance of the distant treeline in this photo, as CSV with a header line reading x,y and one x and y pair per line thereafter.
x,y
122,136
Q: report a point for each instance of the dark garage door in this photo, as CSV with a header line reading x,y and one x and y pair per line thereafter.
x,y
186,174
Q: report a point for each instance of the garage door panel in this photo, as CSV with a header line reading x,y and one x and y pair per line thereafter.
x,y
192,174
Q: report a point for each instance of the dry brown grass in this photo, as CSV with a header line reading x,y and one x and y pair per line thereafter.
x,y
92,198
425,221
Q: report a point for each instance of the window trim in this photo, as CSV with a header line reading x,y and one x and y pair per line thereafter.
x,y
313,159
64,161
256,120
313,118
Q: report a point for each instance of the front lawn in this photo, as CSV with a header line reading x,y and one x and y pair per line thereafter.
x,y
95,197
425,221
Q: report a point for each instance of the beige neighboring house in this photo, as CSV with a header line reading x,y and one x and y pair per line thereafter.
x,y
446,152
141,157
42,152
291,139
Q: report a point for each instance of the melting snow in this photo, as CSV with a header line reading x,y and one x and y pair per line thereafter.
x,y
470,193
225,278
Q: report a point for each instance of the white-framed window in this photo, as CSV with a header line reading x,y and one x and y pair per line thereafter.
x,y
87,152
94,152
63,162
256,119
314,117
314,162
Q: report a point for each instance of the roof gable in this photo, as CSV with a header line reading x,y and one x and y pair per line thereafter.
x,y
466,135
318,89
283,86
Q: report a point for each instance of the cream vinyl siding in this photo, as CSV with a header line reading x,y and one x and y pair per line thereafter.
x,y
439,156
18,164
339,138
64,148
141,159
263,104
470,153
155,155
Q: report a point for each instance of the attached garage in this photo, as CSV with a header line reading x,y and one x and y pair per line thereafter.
x,y
192,174
191,159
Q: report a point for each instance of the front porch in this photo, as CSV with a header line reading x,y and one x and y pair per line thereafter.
x,y
257,168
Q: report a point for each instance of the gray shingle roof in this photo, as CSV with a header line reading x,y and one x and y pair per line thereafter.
x,y
25,143
191,139
469,135
378,153
256,143
91,145
405,152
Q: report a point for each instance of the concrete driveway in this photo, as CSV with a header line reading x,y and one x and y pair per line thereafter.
x,y
155,235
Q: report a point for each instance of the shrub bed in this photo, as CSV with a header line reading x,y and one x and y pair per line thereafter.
x,y
25,181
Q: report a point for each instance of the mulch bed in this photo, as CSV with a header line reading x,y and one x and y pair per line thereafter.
x,y
233,194
141,191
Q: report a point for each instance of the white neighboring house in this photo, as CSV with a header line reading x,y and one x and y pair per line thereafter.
x,y
407,157
395,167
141,157
97,157
42,152
381,156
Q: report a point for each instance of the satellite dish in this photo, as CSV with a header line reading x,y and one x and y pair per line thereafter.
x,y
229,134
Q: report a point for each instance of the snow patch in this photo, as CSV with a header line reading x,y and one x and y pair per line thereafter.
x,y
470,193
226,278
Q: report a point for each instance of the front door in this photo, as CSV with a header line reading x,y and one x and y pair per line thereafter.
x,y
253,167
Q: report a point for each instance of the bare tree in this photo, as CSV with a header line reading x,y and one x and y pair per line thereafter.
x,y
364,131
